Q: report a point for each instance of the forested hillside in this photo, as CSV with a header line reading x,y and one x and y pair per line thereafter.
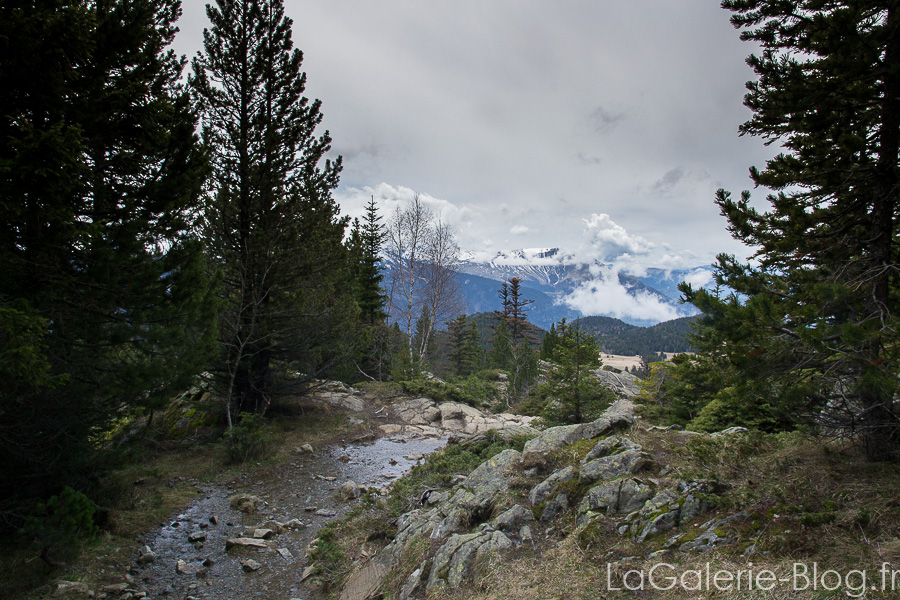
x,y
617,337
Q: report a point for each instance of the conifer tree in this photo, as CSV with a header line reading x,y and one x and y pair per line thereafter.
x,y
271,221
574,391
472,350
465,346
822,300
371,298
551,341
516,313
512,344
500,355
105,306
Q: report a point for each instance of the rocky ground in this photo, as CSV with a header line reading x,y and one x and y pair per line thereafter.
x,y
570,510
248,537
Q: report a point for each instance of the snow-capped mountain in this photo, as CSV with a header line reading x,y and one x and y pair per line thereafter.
x,y
563,286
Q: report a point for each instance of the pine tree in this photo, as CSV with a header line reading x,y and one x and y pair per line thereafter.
x,y
271,221
515,309
512,344
472,350
104,300
371,298
574,392
823,284
500,355
464,346
551,341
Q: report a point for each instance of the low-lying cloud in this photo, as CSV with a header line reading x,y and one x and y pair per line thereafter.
x,y
605,240
605,295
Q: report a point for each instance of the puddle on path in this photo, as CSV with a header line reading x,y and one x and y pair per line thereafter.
x,y
290,491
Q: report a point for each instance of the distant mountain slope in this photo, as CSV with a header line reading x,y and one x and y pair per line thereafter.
x,y
561,287
481,295
617,337
562,277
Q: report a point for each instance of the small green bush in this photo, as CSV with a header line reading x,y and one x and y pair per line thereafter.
x,y
63,520
250,439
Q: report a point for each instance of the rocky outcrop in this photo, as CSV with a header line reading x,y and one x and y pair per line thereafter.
x,y
454,561
472,501
618,416
338,395
463,520
622,496
625,385
427,417
544,489
615,483
613,466
512,520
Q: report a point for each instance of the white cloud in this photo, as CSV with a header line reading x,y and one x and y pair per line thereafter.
x,y
604,295
699,278
520,229
464,219
605,240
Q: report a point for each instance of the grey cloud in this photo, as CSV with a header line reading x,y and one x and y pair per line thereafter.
x,y
505,107
668,181
604,121
588,159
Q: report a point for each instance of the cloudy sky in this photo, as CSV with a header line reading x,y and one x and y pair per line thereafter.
x,y
601,126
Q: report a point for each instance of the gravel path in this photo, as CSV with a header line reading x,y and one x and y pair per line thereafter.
x,y
187,567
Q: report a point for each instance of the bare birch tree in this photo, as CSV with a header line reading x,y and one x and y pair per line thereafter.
x,y
423,254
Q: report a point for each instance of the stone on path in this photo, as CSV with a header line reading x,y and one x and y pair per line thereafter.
x,y
251,565
245,543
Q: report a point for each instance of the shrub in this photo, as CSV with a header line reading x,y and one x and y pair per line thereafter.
x,y
63,521
250,439
440,391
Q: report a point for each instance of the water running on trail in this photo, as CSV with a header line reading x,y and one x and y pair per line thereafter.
x,y
304,488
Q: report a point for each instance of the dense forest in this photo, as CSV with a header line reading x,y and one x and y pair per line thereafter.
x,y
163,225
617,337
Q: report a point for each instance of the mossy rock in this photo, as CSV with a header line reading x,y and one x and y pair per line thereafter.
x,y
196,412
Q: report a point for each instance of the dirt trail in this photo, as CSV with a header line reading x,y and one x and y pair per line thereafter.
x,y
305,488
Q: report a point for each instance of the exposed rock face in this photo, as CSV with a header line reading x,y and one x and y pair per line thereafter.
x,y
618,416
454,560
339,395
621,496
616,465
472,501
544,489
458,520
419,411
512,520
625,385
611,445
427,417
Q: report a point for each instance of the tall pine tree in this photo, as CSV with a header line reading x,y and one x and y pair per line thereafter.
x,y
272,223
371,236
823,285
104,301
